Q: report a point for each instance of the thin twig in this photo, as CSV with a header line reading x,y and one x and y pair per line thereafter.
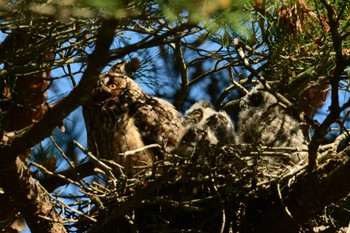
x,y
71,163
132,152
181,64
239,45
68,207
91,156
285,207
46,171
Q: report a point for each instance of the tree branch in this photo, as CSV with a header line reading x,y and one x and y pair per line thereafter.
x,y
51,182
181,64
335,110
327,185
298,203
15,177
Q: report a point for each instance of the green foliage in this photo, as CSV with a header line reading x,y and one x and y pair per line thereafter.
x,y
214,15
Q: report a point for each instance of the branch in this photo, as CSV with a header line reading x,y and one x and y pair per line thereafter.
x,y
180,62
81,94
165,38
107,219
335,110
51,182
29,198
15,177
285,210
327,185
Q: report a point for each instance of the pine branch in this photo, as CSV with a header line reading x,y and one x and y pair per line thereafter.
x,y
15,177
335,109
287,209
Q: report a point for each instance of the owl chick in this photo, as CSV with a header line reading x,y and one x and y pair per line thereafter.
x,y
263,121
122,117
203,115
191,140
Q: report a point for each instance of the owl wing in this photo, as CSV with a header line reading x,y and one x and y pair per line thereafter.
x,y
128,139
222,126
193,135
158,122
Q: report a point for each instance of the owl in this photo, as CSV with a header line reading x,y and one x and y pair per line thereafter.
x,y
202,114
192,138
122,117
262,121
204,124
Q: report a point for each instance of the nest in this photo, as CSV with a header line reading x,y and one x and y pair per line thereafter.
x,y
212,190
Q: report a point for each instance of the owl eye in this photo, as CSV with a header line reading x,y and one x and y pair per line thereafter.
x,y
112,86
256,99
197,114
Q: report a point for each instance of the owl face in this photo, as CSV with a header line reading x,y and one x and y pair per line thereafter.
x,y
111,84
257,98
115,90
104,91
197,113
203,115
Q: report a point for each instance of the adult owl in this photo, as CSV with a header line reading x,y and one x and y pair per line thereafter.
x,y
262,121
122,117
203,115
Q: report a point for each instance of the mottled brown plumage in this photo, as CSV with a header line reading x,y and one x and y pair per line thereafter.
x,y
122,117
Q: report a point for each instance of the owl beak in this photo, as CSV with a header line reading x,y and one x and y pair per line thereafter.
x,y
101,95
243,104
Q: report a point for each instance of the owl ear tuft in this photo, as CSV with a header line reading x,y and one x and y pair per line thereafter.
x,y
133,65
205,104
119,67
122,66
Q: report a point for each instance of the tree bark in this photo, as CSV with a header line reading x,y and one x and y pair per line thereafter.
x,y
29,197
271,212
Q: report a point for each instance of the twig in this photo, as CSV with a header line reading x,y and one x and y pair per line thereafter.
x,y
91,156
68,207
239,45
285,207
228,89
52,182
200,77
97,161
71,163
46,171
332,147
184,74
238,85
132,152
